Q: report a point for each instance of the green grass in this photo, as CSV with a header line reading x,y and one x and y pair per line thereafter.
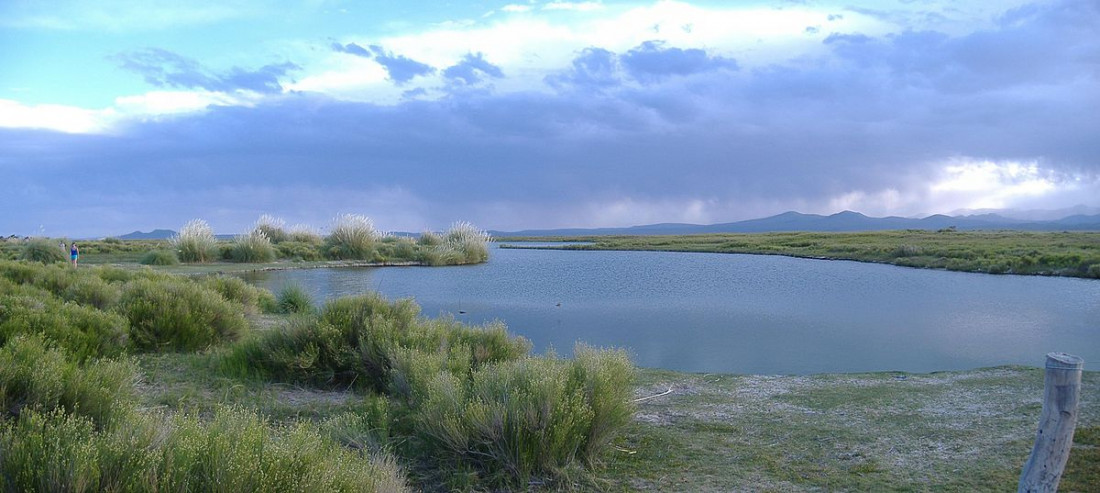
x,y
1074,254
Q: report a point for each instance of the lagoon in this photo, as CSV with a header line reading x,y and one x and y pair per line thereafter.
x,y
729,313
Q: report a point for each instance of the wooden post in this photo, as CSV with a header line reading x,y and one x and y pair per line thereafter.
x,y
1061,393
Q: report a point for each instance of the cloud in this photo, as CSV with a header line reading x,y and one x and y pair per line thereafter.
x,y
593,68
400,68
653,61
163,68
898,123
650,62
472,69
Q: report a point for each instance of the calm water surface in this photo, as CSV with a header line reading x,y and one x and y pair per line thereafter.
x,y
745,313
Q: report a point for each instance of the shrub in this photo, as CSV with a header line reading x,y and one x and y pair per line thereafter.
x,y
235,451
429,238
177,314
236,290
293,299
84,331
405,248
253,247
195,242
272,228
355,340
159,257
93,291
299,250
304,234
532,418
352,238
43,250
1094,271
36,377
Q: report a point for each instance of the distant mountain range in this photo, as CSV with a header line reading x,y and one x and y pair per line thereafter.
x,y
156,234
789,221
841,221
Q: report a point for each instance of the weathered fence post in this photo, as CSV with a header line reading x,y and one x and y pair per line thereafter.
x,y
1061,393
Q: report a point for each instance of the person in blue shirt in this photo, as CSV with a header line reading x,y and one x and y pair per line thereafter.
x,y
74,253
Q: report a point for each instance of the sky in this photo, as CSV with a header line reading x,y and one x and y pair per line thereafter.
x,y
118,116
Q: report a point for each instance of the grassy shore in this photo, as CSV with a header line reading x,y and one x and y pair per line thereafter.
x,y
951,431
199,381
1074,254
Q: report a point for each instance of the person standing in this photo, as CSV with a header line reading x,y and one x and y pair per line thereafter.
x,y
74,253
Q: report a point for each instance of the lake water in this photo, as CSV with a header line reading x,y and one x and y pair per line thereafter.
x,y
706,312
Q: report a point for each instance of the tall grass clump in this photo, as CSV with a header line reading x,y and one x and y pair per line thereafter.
x,y
253,247
272,227
353,237
195,242
462,244
159,257
43,250
235,451
178,315
293,298
35,376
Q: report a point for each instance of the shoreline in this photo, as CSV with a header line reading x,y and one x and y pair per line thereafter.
x,y
592,247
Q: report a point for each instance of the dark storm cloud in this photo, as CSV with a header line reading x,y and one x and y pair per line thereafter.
x,y
401,69
472,69
163,68
878,113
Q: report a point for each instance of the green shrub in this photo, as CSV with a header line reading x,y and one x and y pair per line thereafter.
x,y
355,340
352,238
113,274
236,290
253,247
405,249
530,419
44,250
429,238
195,242
293,299
159,257
178,314
93,291
18,272
33,376
82,330
304,234
299,250
235,451
272,228
1094,271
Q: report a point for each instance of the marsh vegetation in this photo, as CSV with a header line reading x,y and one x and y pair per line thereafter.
x,y
431,403
353,238
1073,254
